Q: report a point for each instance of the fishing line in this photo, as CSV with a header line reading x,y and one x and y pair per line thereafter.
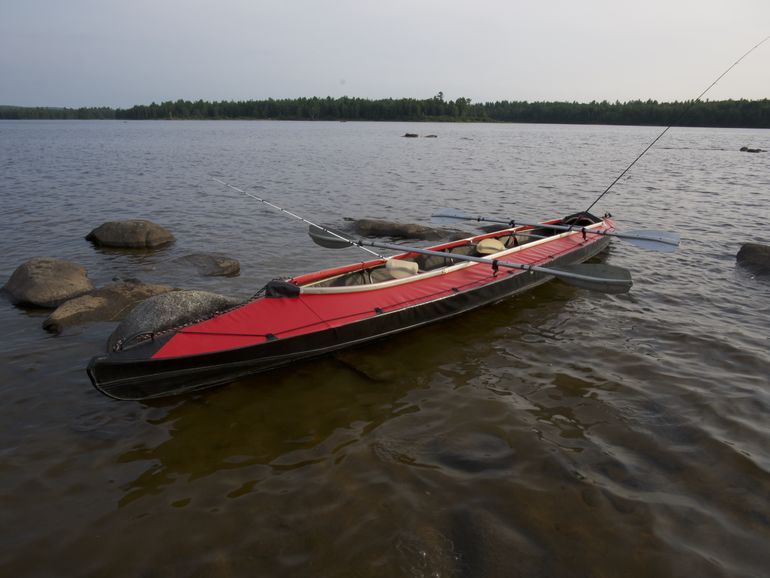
x,y
295,216
675,122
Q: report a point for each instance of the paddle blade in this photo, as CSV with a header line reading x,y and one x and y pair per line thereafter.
x,y
664,241
450,217
595,277
328,238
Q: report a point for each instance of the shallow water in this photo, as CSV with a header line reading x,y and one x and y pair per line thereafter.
x,y
559,433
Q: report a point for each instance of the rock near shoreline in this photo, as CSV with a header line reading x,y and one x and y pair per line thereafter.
x,y
211,264
47,282
110,303
167,311
755,258
130,234
380,228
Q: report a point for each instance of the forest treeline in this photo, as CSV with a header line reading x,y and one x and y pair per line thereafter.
x,y
44,112
722,113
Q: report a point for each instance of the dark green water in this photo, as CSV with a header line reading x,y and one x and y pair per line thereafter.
x,y
560,433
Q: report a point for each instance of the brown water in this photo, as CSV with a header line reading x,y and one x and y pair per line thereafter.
x,y
560,433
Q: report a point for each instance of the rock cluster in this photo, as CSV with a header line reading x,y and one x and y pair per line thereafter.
x,y
64,286
110,303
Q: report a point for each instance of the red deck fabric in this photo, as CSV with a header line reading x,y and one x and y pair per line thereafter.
x,y
284,317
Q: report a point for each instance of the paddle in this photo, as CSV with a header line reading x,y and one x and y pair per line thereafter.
x,y
664,241
596,277
614,280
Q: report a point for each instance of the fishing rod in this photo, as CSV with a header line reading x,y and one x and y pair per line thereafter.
x,y
293,215
674,123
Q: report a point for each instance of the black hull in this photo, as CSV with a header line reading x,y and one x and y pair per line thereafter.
x,y
131,375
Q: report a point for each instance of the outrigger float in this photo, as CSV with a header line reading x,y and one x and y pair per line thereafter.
x,y
318,313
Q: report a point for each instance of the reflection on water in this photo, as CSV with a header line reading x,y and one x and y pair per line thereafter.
x,y
559,433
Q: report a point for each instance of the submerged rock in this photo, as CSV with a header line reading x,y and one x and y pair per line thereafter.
x,y
167,311
132,234
211,264
755,258
47,282
492,228
110,303
379,228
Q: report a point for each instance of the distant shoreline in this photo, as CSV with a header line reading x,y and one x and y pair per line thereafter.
x,y
712,114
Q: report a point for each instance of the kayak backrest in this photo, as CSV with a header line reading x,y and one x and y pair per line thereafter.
x,y
489,246
400,268
380,274
430,262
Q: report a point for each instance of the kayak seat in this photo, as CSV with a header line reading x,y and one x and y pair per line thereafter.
x,y
529,235
463,250
511,241
350,279
380,274
402,268
489,246
430,262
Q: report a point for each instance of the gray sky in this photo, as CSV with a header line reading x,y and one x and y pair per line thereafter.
x,y
123,52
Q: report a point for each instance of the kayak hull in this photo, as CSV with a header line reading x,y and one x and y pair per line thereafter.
x,y
154,368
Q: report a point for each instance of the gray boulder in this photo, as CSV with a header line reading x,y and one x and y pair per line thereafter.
x,y
168,311
379,228
47,282
132,234
755,258
492,228
110,303
211,264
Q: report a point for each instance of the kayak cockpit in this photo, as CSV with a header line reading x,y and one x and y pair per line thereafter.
x,y
401,268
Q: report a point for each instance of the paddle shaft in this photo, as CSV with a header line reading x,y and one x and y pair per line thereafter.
x,y
579,229
493,262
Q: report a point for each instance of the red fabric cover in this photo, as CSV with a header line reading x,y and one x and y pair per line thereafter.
x,y
286,317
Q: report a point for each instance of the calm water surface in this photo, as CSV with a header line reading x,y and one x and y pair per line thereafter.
x,y
560,433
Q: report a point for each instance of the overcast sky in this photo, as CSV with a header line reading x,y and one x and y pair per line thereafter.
x,y
123,52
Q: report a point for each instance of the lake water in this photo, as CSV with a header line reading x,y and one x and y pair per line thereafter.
x,y
559,433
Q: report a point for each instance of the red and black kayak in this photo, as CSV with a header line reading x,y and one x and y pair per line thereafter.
x,y
318,313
